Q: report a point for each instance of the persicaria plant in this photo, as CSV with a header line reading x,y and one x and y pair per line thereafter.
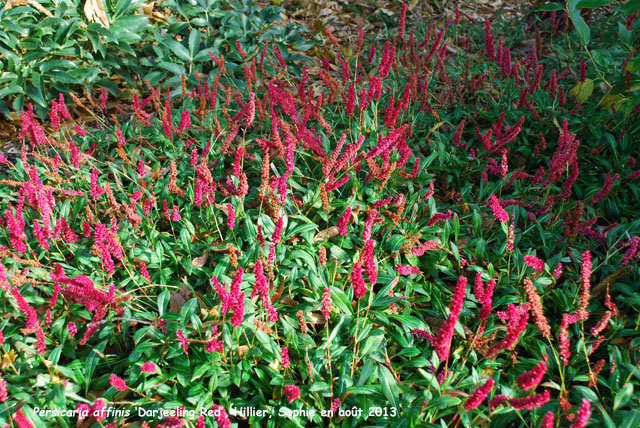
x,y
421,223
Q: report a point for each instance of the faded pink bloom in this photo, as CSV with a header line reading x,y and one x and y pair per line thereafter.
x,y
602,324
585,290
292,392
368,224
118,383
534,263
326,303
272,253
479,395
72,329
251,112
510,239
148,367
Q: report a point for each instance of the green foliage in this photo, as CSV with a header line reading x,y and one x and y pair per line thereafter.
x,y
42,55
281,184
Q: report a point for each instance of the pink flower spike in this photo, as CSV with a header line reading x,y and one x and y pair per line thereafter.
x,y
547,421
3,390
72,329
443,340
183,340
231,217
531,379
501,215
534,263
292,392
21,420
221,417
118,383
479,395
343,222
359,286
148,367
583,415
284,356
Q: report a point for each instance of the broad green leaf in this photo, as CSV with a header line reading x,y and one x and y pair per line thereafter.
x,y
549,7
389,385
587,4
581,27
177,48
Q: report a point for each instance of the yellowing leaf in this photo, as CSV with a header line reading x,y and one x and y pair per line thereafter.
x,y
582,91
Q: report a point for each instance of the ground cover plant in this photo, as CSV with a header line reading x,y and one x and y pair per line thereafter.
x,y
435,227
57,46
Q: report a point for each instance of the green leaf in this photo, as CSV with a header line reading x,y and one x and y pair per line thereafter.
x,y
550,7
176,69
581,27
623,396
631,6
91,363
163,301
188,309
194,42
389,385
177,49
588,4
334,333
587,393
